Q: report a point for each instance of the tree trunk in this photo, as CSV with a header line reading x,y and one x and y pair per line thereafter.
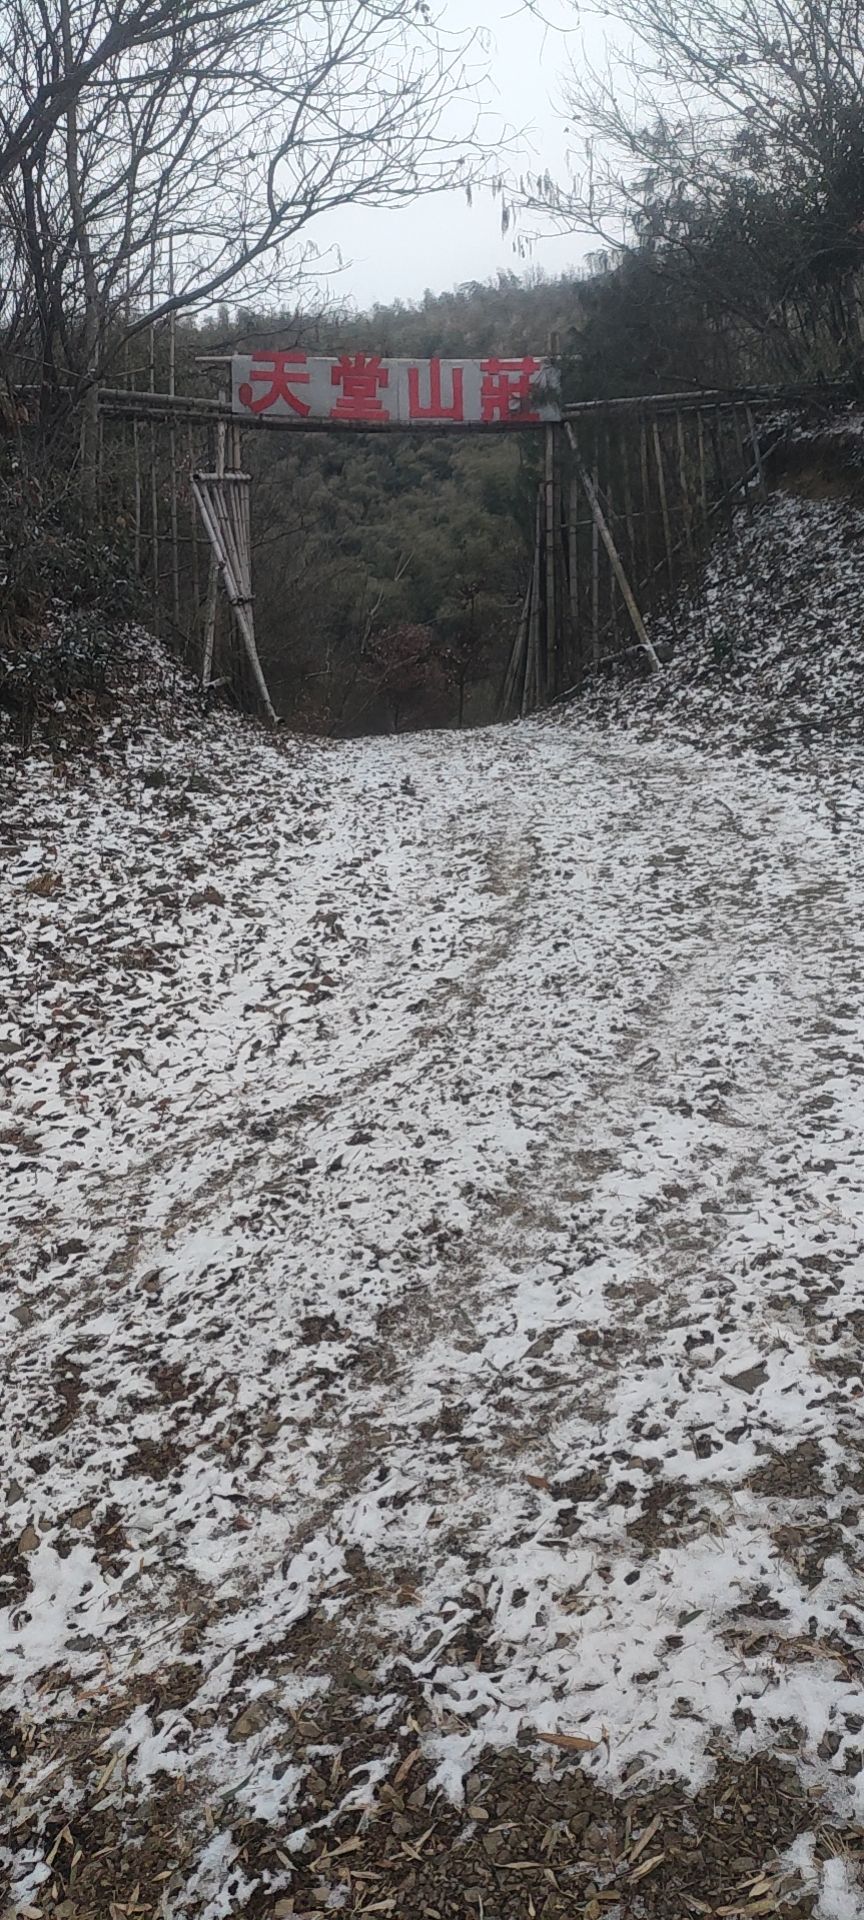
x,y
90,408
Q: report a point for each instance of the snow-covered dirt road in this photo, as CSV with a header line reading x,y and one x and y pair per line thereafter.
x,y
433,1219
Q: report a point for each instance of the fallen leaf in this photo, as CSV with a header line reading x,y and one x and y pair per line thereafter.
x,y
647,1866
208,897
644,1839
570,1742
404,1768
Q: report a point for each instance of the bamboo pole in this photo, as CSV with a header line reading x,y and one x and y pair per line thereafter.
x,y
136,454
100,465
739,448
210,624
532,678
595,575
613,598
154,483
196,584
525,699
703,485
717,444
213,579
154,524
573,575
754,442
522,678
228,502
172,440
686,520
713,397
648,522
552,517
516,663
664,504
633,558
723,501
220,522
608,542
550,505
538,652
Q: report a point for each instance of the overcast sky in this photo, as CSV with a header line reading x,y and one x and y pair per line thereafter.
x,y
441,241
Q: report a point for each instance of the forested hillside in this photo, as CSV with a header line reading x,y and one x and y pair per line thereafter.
x,y
389,571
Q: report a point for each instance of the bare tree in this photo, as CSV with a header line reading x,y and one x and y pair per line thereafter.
x,y
726,139
229,126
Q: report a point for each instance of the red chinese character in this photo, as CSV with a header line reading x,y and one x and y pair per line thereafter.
x,y
505,393
359,375
281,370
436,409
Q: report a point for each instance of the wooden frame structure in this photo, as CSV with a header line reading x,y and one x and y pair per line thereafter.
x,y
644,481
628,499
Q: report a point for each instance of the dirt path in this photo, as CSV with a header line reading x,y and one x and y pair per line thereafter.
x,y
434,1235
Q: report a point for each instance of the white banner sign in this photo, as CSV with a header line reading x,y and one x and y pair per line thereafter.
x,y
364,390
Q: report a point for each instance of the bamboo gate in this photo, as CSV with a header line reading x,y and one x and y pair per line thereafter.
x,y
631,494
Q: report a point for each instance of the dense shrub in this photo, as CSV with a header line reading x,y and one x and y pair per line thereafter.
x,y
65,595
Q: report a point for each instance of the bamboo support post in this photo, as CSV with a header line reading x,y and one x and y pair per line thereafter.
x,y
573,574
212,580
526,661
527,676
223,502
514,678
550,541
742,463
531,687
223,524
703,483
613,598
136,455
753,432
100,466
644,470
717,444
552,517
154,522
664,504
154,482
632,556
172,441
595,585
686,516
196,588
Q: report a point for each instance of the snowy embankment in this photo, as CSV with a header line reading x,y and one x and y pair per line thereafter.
x,y
768,640
432,1229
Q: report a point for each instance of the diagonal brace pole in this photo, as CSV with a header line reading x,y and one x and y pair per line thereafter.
x,y
627,595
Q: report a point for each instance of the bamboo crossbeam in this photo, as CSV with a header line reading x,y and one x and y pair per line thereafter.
x,y
829,390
